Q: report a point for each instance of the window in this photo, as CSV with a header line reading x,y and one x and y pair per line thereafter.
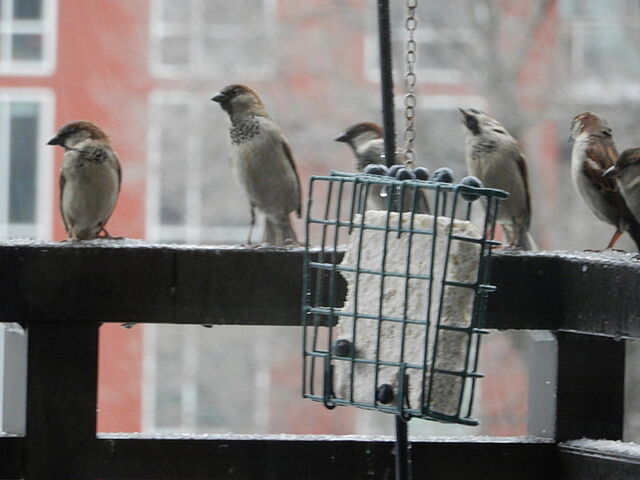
x,y
441,32
219,379
192,195
27,37
26,164
212,38
604,47
431,151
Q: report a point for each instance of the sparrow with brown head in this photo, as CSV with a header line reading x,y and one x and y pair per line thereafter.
x,y
626,171
89,180
593,153
262,159
367,143
496,159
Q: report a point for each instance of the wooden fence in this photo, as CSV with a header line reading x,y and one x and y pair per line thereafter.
x,y
62,293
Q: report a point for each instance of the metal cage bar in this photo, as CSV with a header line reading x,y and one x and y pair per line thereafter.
x,y
342,216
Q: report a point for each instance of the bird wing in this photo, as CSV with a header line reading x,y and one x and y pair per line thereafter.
x,y
101,154
64,219
601,154
119,170
522,167
287,151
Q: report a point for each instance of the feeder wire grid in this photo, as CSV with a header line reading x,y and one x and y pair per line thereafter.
x,y
415,268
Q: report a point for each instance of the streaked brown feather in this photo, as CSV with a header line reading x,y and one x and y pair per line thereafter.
x,y
602,154
522,166
288,154
64,220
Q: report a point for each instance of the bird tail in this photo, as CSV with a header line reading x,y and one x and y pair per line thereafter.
x,y
525,241
634,231
278,231
519,237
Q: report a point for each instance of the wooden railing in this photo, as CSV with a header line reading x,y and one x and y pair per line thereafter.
x,y
62,293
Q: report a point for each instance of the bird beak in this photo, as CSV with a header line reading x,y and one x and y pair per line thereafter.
x,y
465,115
341,138
611,172
219,97
470,121
55,141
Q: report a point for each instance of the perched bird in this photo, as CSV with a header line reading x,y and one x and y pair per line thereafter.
x,y
495,158
594,153
367,142
89,180
262,159
626,171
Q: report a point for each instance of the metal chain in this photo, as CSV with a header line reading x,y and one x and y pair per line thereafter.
x,y
410,99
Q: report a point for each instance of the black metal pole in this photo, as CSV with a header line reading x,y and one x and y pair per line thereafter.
x,y
402,449
386,81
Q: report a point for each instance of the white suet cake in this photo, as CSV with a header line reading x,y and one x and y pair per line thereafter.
x,y
404,298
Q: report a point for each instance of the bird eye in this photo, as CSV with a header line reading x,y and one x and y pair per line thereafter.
x,y
497,130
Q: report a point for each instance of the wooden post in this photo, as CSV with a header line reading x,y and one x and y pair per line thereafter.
x,y
61,401
590,398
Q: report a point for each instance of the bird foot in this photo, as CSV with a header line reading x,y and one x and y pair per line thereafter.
x,y
292,242
106,236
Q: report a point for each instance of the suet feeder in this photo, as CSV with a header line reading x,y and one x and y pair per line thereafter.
x,y
406,339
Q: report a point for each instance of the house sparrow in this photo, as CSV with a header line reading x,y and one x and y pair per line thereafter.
x,y
367,142
89,180
495,158
626,171
261,156
594,153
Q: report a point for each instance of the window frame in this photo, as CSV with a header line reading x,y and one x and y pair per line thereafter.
x,y
44,164
445,76
195,33
48,29
578,27
192,231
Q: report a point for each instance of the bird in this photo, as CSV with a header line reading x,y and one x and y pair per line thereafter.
x,y
626,171
496,159
593,153
90,179
367,143
261,157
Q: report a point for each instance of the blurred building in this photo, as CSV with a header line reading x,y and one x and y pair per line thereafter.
x,y
145,70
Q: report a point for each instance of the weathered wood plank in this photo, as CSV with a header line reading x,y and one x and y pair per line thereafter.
x,y
62,282
121,282
320,458
579,291
590,387
61,401
577,463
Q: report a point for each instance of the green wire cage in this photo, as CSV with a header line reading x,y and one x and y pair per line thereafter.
x,y
406,338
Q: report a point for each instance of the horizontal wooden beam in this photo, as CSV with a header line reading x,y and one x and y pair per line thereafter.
x,y
319,458
590,292
610,461
119,281
176,457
